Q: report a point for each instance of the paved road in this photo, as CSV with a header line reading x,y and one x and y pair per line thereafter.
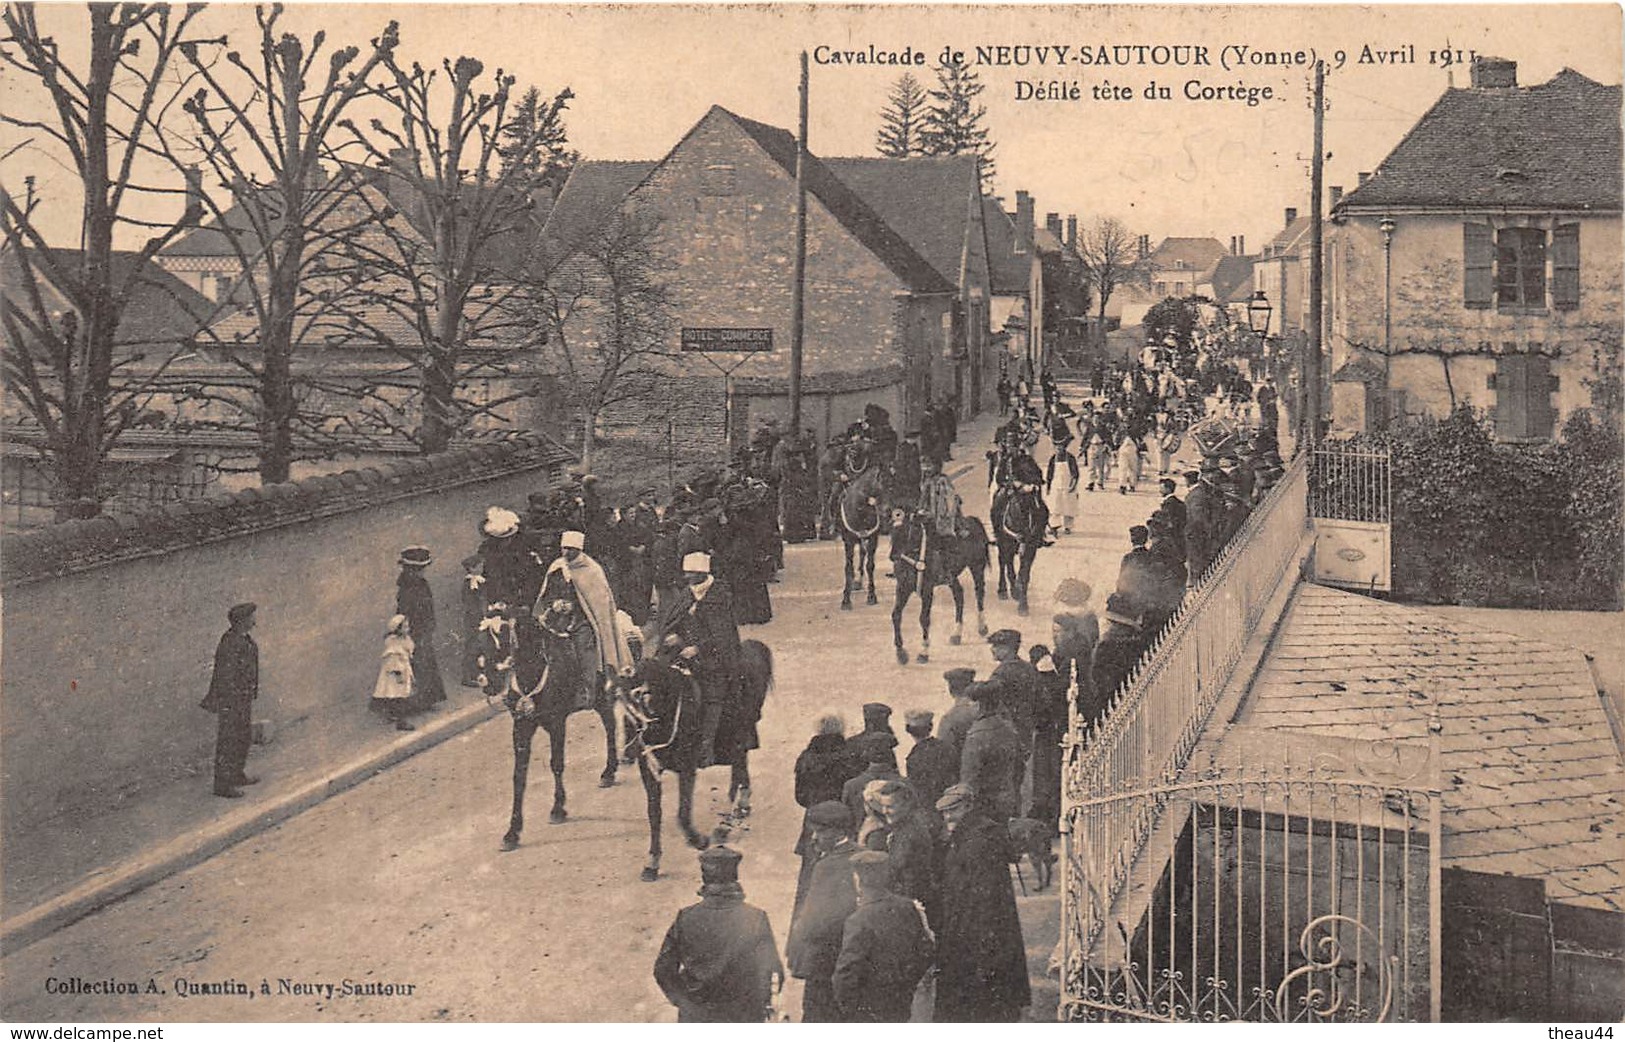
x,y
399,882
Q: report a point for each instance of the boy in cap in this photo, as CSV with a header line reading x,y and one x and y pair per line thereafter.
x,y
233,686
885,948
817,926
414,599
956,721
718,962
932,764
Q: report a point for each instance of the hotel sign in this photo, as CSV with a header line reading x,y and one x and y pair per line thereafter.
x,y
721,339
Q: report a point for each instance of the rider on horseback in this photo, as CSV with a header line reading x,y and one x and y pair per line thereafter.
x,y
1012,471
701,631
577,580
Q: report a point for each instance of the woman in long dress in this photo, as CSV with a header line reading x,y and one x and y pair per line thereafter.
x,y
392,695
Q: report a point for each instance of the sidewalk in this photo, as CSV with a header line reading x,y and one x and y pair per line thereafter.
x,y
65,869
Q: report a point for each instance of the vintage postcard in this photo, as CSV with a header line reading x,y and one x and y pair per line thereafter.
x,y
820,513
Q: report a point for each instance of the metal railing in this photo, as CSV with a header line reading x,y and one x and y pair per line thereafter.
x,y
1350,484
1157,716
1281,897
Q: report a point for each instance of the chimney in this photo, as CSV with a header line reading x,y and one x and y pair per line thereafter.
x,y
403,162
1291,215
1232,246
1145,246
194,196
1072,232
1337,194
1024,222
1365,175
1052,221
1241,245
1494,73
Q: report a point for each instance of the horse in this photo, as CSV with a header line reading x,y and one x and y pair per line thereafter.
x,y
538,670
1018,529
926,560
859,518
661,706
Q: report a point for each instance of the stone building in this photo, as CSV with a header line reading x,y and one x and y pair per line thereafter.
x,y
1482,262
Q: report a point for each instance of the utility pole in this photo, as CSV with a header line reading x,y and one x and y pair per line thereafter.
x,y
1312,365
799,290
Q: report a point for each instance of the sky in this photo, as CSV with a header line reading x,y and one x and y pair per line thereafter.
x,y
644,74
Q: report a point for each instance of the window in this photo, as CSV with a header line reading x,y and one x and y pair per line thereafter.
x,y
1520,267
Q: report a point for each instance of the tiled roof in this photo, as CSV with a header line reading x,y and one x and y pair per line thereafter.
x,y
1233,279
1531,774
856,215
594,189
1556,144
1286,240
1009,271
1198,254
927,200
161,308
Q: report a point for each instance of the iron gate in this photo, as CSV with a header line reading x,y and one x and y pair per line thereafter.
x,y
1351,502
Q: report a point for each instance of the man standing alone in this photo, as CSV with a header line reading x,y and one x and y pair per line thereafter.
x,y
719,959
232,690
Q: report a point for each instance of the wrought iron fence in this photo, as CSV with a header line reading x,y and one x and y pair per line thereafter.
x,y
1348,484
1284,898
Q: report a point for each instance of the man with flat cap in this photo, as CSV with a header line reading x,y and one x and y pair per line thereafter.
x,y
981,956
816,928
885,948
957,720
877,734
993,760
233,687
1204,521
932,764
1019,687
718,962
414,599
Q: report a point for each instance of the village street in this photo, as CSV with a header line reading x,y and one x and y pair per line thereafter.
x,y
399,880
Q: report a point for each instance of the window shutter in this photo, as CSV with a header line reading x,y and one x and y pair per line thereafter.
x,y
1539,417
1566,266
1478,254
1511,397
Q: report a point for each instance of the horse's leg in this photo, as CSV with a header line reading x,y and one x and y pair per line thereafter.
x,y
928,595
959,610
870,546
685,810
905,589
978,575
523,731
651,796
606,714
1029,550
846,574
555,748
739,787
999,546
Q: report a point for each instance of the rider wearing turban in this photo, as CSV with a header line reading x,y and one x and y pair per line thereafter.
x,y
577,579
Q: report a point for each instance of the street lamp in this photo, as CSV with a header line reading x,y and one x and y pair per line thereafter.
x,y
1387,228
1258,321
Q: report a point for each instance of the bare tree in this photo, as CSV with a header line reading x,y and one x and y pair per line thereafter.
x,y
454,229
1111,259
607,314
261,124
64,364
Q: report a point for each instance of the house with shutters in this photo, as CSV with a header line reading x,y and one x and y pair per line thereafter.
x,y
1481,263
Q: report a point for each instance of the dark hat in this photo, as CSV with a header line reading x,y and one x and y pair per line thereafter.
x,y
1168,483
238,612
1192,475
959,679
1010,637
830,814
720,864
416,557
1138,534
648,491
872,867
878,713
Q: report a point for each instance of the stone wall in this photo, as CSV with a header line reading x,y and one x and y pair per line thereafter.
x,y
110,625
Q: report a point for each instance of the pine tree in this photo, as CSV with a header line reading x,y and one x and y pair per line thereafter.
x,y
535,141
954,122
901,120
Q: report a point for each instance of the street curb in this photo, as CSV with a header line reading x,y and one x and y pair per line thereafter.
x,y
143,871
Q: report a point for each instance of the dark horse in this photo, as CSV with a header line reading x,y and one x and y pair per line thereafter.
x,y
927,559
859,518
1018,529
661,702
538,670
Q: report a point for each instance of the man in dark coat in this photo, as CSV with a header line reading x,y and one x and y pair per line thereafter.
x,y
233,687
910,839
1119,649
993,759
796,465
1204,522
1018,684
885,948
719,960
1049,727
822,771
1172,508
904,487
1138,573
701,627
932,764
817,927
877,735
957,720
414,600
981,957
634,592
